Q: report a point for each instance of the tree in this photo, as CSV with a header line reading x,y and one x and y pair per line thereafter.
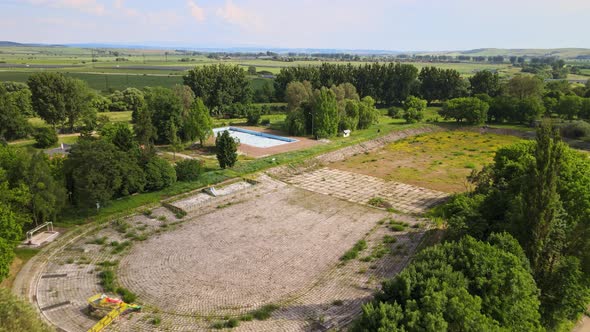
x,y
265,94
21,95
123,138
17,315
159,174
252,70
569,107
441,84
350,119
175,142
467,285
219,86
199,124
130,99
368,113
298,93
48,90
78,98
528,109
13,121
164,107
469,109
227,150
523,87
585,109
145,132
325,113
414,108
45,137
47,194
485,82
97,171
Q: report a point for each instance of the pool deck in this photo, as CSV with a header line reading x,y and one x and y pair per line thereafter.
x,y
252,151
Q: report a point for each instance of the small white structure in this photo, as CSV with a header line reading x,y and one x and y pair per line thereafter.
x,y
211,191
41,238
346,133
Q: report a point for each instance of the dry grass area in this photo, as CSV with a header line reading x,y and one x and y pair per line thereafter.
x,y
439,161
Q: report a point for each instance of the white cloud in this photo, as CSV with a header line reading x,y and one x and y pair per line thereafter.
x,y
239,16
197,12
87,6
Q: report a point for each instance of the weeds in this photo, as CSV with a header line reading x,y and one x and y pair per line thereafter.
x,y
354,251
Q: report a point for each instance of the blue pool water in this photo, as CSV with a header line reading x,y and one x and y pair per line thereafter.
x,y
254,138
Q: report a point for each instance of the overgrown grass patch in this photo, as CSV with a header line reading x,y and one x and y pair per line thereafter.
x,y
264,312
353,252
440,161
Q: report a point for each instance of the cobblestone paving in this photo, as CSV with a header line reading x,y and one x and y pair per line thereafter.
x,y
361,188
240,257
267,243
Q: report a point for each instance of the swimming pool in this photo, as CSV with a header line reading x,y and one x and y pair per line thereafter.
x,y
255,138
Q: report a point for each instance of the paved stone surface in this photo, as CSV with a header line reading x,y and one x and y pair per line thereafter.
x,y
361,188
240,257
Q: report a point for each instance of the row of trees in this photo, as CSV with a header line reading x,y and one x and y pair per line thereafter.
x,y
519,252
326,111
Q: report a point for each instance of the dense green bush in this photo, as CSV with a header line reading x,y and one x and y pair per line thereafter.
x,y
45,137
126,295
575,129
458,286
159,174
395,112
17,315
253,116
188,169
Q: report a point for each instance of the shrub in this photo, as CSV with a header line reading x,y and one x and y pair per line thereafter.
x,y
395,112
188,169
159,174
45,137
354,251
379,202
576,129
107,280
126,295
264,312
253,116
265,122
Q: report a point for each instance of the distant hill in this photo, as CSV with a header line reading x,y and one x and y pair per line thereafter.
x,y
4,43
566,53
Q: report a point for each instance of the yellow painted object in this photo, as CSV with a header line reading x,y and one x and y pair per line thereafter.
x,y
109,318
101,301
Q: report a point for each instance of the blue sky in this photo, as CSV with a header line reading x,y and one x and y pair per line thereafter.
x,y
352,24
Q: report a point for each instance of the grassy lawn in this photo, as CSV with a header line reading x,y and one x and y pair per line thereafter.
x,y
439,161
